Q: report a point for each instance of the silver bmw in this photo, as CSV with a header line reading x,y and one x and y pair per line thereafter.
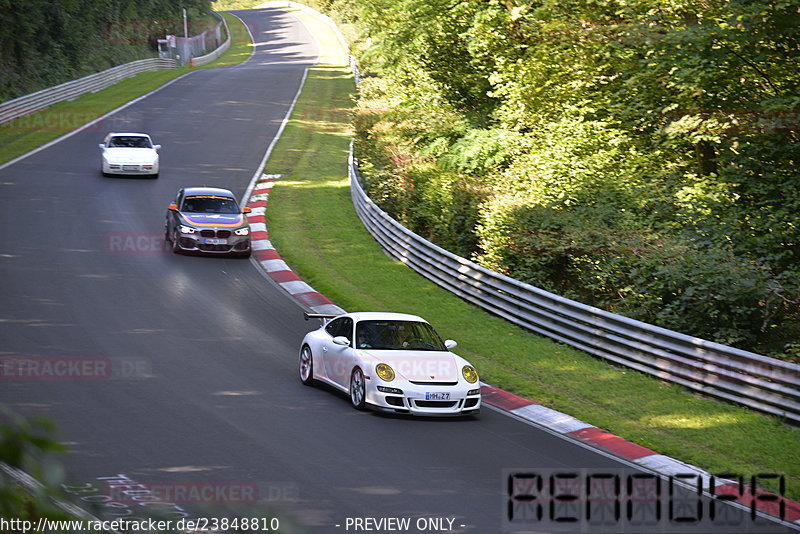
x,y
207,220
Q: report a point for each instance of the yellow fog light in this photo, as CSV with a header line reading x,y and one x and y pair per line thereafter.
x,y
385,372
470,374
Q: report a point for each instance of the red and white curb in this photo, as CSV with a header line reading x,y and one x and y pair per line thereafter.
x,y
269,259
559,423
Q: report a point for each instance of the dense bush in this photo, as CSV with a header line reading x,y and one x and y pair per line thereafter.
x,y
639,156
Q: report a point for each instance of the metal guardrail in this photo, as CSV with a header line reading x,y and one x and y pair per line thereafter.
x,y
208,58
758,382
92,83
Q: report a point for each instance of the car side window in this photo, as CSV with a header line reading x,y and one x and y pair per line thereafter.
x,y
333,327
341,327
347,329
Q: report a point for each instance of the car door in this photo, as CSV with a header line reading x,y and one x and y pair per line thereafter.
x,y
338,358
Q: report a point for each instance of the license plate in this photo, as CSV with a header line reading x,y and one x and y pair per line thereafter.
x,y
215,241
130,167
437,396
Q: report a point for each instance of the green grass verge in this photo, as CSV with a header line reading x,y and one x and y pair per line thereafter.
x,y
313,224
26,133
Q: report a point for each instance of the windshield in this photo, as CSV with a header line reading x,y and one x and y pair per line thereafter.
x,y
397,335
209,204
129,141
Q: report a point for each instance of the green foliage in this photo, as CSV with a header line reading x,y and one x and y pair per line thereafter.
x,y
480,152
436,51
639,156
443,206
44,43
31,447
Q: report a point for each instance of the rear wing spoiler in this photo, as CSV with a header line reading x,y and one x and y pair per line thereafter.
x,y
324,316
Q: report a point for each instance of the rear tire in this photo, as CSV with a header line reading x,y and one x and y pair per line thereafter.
x,y
358,390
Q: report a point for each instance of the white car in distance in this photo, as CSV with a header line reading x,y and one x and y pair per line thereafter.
x,y
129,154
392,362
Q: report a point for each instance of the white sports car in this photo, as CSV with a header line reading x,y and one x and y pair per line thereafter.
x,y
391,362
129,153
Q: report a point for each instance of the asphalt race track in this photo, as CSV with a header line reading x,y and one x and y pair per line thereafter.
x,y
203,389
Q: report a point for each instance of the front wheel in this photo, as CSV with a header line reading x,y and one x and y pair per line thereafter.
x,y
306,366
176,248
358,389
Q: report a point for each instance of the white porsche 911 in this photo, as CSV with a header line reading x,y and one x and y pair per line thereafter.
x,y
390,362
129,153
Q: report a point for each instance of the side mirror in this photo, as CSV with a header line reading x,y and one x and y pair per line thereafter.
x,y
341,340
450,344
247,210
157,147
172,207
101,145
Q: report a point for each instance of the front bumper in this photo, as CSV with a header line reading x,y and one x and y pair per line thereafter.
x,y
135,169
424,399
221,242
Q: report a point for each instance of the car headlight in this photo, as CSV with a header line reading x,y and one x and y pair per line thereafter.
x,y
470,374
186,229
242,231
385,372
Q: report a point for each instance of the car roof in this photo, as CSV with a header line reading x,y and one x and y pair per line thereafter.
x,y
113,134
385,316
200,191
